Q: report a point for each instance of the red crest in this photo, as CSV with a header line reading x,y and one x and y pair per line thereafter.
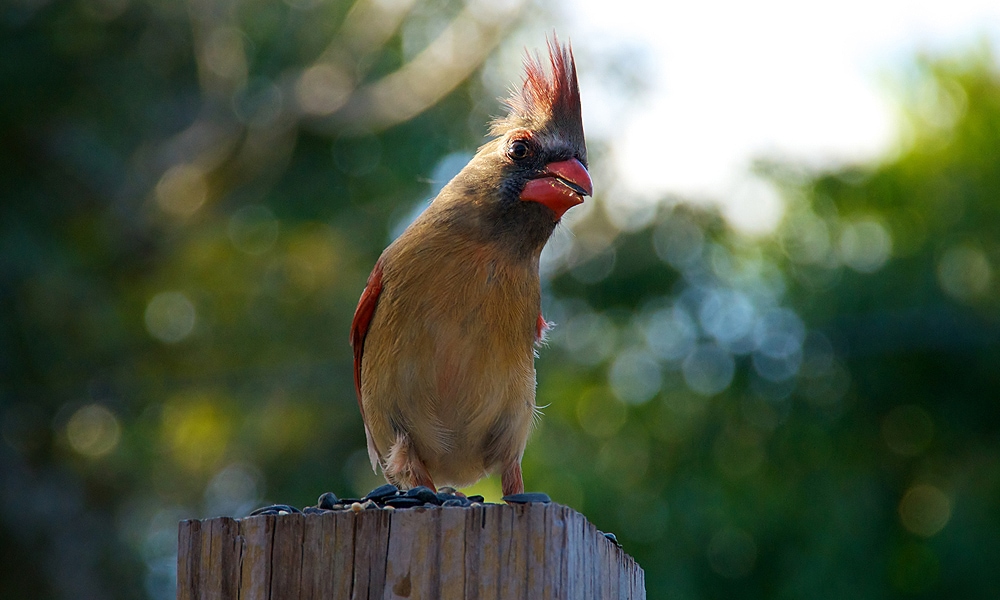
x,y
548,99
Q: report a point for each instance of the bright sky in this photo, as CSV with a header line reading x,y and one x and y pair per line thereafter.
x,y
734,80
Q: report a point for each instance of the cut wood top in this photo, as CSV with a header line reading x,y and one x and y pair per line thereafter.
x,y
488,551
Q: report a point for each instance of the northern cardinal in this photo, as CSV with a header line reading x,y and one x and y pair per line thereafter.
x,y
445,332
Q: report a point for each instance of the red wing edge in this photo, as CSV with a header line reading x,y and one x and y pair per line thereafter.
x,y
362,319
359,330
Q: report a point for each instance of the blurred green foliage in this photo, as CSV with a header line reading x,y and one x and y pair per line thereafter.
x,y
194,194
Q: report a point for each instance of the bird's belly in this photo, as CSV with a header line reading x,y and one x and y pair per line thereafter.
x,y
477,412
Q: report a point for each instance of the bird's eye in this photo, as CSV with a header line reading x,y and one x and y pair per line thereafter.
x,y
518,149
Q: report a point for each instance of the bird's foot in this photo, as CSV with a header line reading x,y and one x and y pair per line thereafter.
x,y
511,481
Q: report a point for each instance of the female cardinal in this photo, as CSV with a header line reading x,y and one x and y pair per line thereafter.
x,y
444,334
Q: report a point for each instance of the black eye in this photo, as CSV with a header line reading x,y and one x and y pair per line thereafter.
x,y
518,149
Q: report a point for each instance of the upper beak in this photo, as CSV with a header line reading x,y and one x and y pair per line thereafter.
x,y
561,186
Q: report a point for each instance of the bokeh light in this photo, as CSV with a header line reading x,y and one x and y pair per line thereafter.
x,y
708,369
224,53
195,432
635,376
182,190
589,337
93,431
322,89
778,337
806,238
865,245
235,489
924,510
170,317
965,273
729,317
671,333
678,241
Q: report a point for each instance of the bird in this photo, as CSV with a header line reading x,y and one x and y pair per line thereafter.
x,y
445,333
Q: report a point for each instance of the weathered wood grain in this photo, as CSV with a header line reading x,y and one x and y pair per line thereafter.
x,y
487,552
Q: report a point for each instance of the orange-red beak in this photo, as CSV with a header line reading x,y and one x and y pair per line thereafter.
x,y
561,187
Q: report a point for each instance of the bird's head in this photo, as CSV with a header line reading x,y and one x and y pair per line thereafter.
x,y
540,141
535,167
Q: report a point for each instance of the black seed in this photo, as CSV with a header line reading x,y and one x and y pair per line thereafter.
x,y
382,492
457,502
424,494
527,498
613,538
275,509
445,496
314,510
477,498
404,502
327,500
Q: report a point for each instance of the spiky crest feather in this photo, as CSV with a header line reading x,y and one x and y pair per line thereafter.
x,y
546,103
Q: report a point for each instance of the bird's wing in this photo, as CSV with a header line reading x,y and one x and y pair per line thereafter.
x,y
359,329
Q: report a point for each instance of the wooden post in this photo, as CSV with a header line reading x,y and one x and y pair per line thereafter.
x,y
488,552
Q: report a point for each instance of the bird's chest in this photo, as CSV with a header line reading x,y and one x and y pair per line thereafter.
x,y
487,326
466,323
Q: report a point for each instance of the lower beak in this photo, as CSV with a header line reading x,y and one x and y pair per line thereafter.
x,y
561,186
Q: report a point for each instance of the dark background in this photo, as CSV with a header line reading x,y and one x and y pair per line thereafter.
x,y
194,193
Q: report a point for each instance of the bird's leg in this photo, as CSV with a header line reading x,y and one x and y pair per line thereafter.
x,y
403,467
511,481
